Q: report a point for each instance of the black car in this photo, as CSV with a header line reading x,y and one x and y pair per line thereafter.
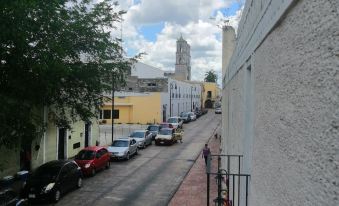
x,y
10,198
52,179
154,129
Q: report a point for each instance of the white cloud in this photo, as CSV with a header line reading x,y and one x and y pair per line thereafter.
x,y
187,17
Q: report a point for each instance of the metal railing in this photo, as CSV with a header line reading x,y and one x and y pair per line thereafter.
x,y
234,182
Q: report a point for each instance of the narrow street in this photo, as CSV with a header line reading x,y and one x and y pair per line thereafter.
x,y
149,178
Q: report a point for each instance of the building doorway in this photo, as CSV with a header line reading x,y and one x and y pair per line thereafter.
x,y
208,104
62,132
88,133
25,156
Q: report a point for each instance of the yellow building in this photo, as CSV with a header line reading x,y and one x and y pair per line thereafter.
x,y
211,94
134,108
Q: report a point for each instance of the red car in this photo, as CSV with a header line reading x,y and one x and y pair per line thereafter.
x,y
92,159
166,125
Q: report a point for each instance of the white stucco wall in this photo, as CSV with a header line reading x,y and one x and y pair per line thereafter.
x,y
142,70
284,115
184,102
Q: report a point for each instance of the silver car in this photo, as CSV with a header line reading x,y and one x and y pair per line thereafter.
x,y
143,137
176,122
192,115
123,148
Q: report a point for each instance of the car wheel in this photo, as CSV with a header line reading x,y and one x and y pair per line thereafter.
x,y
144,146
57,195
93,172
150,142
127,156
79,183
108,164
136,151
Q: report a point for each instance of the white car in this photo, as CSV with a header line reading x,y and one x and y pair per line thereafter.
x,y
143,137
192,115
218,110
123,148
176,122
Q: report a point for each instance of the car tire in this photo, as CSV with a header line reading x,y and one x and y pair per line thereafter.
x,y
136,151
93,172
127,156
150,142
144,146
108,165
56,196
79,182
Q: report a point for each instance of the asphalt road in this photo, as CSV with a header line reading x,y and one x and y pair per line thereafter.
x,y
149,178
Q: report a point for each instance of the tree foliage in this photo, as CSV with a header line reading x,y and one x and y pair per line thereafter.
x,y
58,54
211,76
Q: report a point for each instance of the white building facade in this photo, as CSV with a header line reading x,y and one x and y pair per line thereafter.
x,y
183,96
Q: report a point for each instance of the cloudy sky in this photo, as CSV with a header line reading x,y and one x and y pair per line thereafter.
x,y
153,26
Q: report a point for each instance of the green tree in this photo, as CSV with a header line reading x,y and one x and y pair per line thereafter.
x,y
211,76
58,54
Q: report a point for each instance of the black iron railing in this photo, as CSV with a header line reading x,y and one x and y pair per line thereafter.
x,y
237,184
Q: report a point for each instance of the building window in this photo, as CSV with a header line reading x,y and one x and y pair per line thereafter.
x,y
107,114
100,115
151,84
116,114
209,94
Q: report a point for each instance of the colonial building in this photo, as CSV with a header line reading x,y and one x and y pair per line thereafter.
x,y
56,143
281,103
151,97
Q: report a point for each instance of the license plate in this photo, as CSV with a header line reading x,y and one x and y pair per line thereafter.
x,y
31,196
162,142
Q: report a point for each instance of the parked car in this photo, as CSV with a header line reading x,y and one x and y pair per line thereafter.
x,y
123,148
218,110
143,137
53,179
169,136
154,129
192,116
185,117
92,159
204,111
9,197
198,112
176,122
165,136
166,125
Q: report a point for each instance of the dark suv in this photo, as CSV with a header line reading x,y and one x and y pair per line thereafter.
x,y
154,129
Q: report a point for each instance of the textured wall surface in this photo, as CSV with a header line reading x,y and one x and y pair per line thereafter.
x,y
295,75
296,147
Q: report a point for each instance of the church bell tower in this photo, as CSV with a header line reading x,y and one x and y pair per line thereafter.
x,y
183,60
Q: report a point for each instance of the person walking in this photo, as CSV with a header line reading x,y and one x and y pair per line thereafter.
x,y
205,153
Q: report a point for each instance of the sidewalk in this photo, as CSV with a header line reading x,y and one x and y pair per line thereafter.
x,y
193,190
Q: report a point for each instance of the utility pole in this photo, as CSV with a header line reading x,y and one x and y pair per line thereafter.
x,y
112,114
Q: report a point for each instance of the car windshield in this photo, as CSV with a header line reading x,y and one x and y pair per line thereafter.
x,y
137,134
172,120
165,132
120,143
184,115
153,128
46,173
85,155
